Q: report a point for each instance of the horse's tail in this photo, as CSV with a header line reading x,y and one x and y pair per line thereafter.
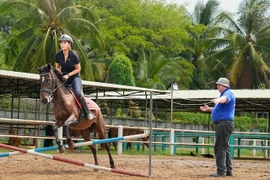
x,y
112,135
109,133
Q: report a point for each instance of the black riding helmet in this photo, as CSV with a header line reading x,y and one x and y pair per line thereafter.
x,y
66,37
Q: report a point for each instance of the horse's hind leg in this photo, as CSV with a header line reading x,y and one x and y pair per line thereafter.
x,y
102,135
94,151
109,153
114,145
86,136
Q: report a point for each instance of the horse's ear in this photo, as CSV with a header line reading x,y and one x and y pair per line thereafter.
x,y
38,69
49,66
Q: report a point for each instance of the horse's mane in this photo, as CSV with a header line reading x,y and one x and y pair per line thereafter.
x,y
58,73
48,67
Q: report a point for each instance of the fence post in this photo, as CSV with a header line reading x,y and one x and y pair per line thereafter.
x,y
239,149
171,141
164,139
265,150
202,138
254,144
174,146
119,144
197,147
155,140
231,142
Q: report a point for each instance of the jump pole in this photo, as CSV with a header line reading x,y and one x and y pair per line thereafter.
x,y
48,156
108,140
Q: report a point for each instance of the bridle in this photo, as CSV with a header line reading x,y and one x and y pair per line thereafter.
x,y
52,87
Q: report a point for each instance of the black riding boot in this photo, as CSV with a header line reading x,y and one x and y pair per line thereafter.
x,y
89,115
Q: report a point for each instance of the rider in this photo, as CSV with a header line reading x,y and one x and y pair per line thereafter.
x,y
68,62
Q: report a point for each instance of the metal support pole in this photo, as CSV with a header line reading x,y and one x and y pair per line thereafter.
x,y
171,105
150,136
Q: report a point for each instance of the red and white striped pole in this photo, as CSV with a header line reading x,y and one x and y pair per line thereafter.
x,y
119,171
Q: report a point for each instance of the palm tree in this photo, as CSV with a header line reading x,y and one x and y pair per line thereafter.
x,y
203,15
40,23
153,70
243,45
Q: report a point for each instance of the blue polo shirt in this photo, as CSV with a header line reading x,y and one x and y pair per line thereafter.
x,y
226,110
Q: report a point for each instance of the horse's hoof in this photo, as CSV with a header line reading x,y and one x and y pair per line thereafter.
x,y
113,166
71,146
61,150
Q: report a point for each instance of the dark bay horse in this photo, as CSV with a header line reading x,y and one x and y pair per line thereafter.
x,y
113,132
68,113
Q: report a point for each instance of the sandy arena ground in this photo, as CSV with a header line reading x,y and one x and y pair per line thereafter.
x,y
29,167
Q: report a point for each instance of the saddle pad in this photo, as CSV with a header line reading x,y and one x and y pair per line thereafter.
x,y
91,104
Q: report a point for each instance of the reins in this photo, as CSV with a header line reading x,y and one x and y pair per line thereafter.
x,y
52,89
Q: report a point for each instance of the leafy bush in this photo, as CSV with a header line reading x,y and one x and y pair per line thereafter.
x,y
242,123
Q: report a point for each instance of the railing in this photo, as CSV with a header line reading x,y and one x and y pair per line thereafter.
x,y
176,138
169,138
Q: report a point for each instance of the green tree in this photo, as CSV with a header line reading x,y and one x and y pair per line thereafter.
x,y
242,47
203,16
153,70
35,36
132,26
149,69
205,13
6,22
120,71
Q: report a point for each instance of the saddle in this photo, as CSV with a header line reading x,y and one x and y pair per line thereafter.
x,y
91,104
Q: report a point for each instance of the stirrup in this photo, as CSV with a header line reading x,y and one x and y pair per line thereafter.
x,y
89,116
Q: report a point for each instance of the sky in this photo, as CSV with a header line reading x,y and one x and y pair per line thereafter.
x,y
228,5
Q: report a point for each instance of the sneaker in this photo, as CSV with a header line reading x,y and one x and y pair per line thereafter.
x,y
229,173
218,175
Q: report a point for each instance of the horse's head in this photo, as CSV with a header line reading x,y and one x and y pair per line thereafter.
x,y
47,82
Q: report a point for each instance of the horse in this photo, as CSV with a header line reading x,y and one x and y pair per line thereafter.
x,y
48,132
68,112
113,132
14,141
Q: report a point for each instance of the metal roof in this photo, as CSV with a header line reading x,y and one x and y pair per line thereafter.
x,y
20,82
183,100
190,100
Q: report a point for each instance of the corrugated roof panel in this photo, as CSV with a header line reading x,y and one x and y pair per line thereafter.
x,y
118,86
178,94
36,77
21,75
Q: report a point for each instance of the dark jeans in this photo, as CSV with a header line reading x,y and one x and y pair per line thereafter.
x,y
222,152
76,85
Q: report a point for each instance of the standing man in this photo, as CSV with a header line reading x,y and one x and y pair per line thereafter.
x,y
223,118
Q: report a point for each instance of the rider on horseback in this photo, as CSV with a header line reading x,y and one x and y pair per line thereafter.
x,y
68,62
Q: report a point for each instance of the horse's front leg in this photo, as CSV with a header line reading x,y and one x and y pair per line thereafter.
x,y
61,149
70,143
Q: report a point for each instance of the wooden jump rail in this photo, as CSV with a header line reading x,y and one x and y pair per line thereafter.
x,y
22,121
34,137
78,163
170,133
100,141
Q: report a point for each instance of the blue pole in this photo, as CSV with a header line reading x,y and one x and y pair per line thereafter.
x,y
100,141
